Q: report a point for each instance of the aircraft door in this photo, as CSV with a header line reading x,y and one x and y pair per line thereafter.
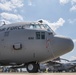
x,y
49,39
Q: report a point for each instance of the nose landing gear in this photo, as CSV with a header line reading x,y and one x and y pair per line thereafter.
x,y
32,67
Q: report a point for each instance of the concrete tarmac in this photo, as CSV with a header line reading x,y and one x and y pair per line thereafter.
x,y
37,73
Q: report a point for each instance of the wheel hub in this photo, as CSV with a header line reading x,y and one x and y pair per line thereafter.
x,y
30,67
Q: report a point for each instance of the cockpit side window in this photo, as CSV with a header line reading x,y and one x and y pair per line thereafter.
x,y
37,35
42,35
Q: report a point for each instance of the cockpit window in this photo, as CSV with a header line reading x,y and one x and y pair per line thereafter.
x,y
42,35
37,35
46,27
33,26
39,26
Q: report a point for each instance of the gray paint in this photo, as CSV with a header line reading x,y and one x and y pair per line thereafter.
x,y
34,49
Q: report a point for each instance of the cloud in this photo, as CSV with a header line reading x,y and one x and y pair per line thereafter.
x,y
55,25
11,17
73,8
64,1
74,40
72,2
72,21
10,5
30,3
5,6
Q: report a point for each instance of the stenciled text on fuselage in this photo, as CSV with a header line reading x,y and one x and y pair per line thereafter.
x,y
12,28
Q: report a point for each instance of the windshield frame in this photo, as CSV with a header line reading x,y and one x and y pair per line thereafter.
x,y
39,26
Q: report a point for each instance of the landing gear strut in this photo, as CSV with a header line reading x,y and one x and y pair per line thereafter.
x,y
32,67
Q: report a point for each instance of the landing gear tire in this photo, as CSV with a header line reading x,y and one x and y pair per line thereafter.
x,y
32,67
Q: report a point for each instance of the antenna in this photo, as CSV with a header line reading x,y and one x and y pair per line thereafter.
x,y
41,21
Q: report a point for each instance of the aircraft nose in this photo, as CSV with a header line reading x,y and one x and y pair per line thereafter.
x,y
63,45
67,44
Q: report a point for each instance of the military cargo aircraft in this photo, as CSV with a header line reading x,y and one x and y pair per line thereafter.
x,y
27,44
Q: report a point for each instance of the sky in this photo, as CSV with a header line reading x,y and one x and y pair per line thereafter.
x,y
61,14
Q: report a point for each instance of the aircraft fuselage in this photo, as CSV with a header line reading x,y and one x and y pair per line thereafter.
x,y
19,44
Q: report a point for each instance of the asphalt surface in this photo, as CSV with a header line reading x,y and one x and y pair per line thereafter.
x,y
37,73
